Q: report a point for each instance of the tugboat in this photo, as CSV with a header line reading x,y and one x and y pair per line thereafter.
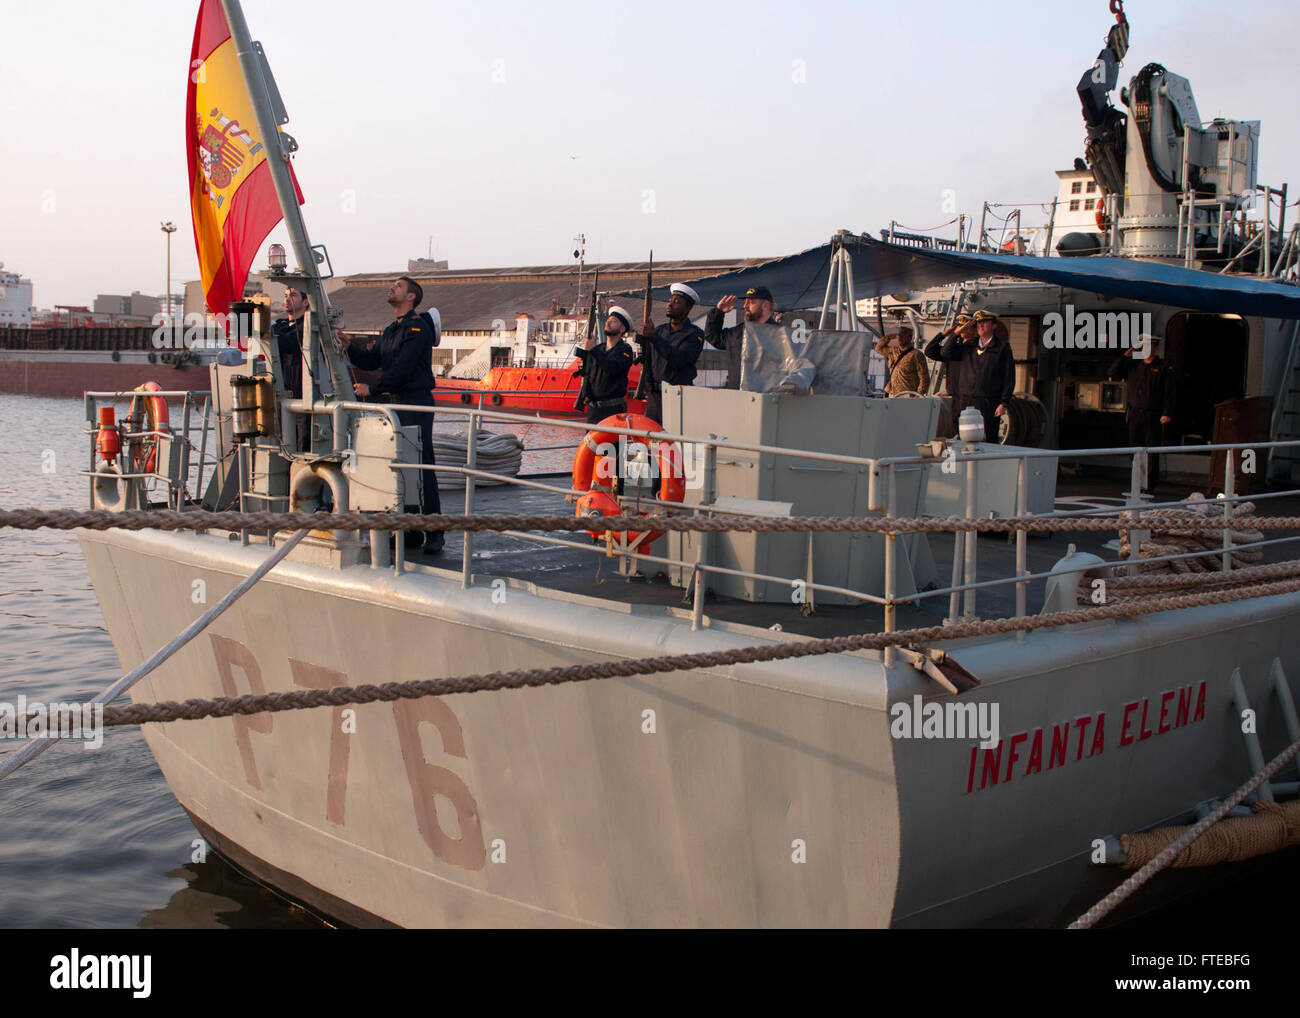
x,y
827,789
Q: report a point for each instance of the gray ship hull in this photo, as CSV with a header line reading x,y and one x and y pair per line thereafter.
x,y
757,795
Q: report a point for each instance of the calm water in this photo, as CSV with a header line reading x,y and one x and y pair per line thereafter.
x,y
94,838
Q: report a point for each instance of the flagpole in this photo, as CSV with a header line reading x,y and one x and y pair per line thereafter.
x,y
321,341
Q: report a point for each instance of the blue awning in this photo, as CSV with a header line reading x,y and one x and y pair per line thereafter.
x,y
799,281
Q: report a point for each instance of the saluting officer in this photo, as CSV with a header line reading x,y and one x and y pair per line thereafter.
x,y
606,367
759,309
404,355
964,330
987,376
669,352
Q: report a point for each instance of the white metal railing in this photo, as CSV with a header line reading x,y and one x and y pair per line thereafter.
x,y
883,494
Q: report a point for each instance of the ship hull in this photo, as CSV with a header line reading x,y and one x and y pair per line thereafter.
x,y
779,794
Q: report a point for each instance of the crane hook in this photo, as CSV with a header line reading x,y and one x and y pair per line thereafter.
x,y
1117,9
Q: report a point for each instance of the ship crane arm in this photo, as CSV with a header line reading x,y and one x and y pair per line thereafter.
x,y
1106,125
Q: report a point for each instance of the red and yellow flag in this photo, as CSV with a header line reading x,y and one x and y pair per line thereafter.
x,y
232,197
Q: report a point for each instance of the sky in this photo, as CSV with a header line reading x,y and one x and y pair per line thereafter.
x,y
495,133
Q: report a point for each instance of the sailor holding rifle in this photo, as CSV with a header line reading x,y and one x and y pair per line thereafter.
x,y
606,367
669,352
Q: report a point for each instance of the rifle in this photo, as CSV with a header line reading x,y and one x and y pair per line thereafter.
x,y
584,390
644,383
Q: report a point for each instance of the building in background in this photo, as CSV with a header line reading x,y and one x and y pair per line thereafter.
x,y
116,309
16,305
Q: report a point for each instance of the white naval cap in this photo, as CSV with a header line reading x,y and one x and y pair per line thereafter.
x,y
621,314
435,319
685,291
1147,344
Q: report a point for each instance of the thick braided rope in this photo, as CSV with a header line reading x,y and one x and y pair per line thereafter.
x,y
168,519
191,710
1107,904
1165,581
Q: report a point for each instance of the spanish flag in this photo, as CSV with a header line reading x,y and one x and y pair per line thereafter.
x,y
232,196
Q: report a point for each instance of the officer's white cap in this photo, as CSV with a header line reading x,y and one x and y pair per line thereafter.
x,y
1147,343
435,316
685,291
622,314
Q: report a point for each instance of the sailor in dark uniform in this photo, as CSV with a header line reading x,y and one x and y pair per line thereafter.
x,y
1150,397
289,347
404,356
669,352
964,330
606,367
288,338
988,371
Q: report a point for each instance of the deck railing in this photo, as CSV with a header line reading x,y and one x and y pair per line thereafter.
x,y
883,498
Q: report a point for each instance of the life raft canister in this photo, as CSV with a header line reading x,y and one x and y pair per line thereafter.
x,y
595,472
157,418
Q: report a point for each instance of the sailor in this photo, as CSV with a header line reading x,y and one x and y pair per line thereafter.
x,y
669,352
759,309
1150,397
988,371
288,338
606,367
965,331
289,346
907,369
404,357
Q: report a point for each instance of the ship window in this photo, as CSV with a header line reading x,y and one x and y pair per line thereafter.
x,y
1076,187
1092,187
1074,205
1090,203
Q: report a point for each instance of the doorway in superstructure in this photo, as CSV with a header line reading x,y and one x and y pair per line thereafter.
x,y
1207,354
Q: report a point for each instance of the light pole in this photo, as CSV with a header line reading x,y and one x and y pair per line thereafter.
x,y
169,228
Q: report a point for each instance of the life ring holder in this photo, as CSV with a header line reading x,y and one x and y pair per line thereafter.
x,y
599,499
157,420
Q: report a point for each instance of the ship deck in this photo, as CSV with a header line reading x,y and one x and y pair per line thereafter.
x,y
585,573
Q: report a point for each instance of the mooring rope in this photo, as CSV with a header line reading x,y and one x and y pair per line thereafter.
x,y
193,710
1109,903
169,519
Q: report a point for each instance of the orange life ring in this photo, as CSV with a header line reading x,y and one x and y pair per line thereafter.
x,y
1103,220
594,471
158,420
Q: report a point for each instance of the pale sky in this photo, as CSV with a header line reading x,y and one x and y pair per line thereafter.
x,y
504,129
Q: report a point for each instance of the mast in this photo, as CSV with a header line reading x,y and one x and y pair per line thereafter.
x,y
322,345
